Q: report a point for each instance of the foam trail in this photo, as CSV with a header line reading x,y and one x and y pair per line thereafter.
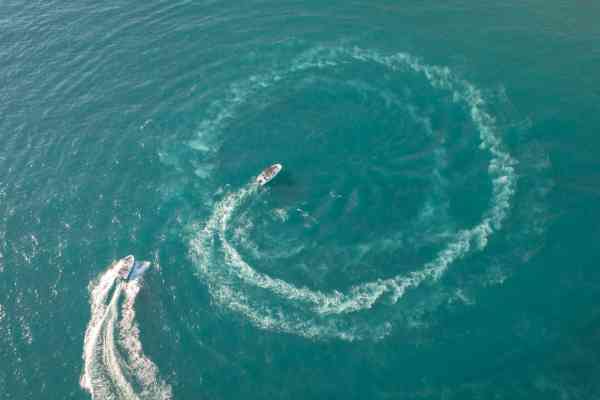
x,y
106,373
110,354
99,293
144,370
363,296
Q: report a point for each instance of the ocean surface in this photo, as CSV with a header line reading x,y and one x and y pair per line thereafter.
x,y
433,234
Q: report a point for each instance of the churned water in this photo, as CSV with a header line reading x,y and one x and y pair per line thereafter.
x,y
433,233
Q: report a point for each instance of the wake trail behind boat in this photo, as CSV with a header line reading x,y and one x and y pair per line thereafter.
x,y
117,369
276,304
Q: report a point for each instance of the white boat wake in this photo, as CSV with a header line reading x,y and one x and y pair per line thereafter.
x,y
117,369
275,304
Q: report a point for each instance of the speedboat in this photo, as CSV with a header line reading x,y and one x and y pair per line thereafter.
x,y
131,269
268,174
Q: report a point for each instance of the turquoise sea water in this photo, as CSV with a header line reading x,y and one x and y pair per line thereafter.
x,y
433,234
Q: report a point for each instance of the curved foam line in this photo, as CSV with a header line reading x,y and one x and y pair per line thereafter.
x,y
359,297
110,355
144,369
99,294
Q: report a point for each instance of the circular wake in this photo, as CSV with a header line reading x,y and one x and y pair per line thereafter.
x,y
354,312
117,368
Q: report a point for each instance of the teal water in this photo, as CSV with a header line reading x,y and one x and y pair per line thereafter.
x,y
433,234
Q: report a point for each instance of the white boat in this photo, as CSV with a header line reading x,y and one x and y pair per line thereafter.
x,y
268,174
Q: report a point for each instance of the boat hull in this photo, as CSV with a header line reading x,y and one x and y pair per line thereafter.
x,y
268,174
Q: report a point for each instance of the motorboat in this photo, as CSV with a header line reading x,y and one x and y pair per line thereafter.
x,y
268,174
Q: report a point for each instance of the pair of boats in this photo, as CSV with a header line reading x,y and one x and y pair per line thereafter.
x,y
130,269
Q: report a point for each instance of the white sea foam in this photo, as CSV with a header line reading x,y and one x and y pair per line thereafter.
x,y
281,214
144,370
227,285
110,356
106,373
98,293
